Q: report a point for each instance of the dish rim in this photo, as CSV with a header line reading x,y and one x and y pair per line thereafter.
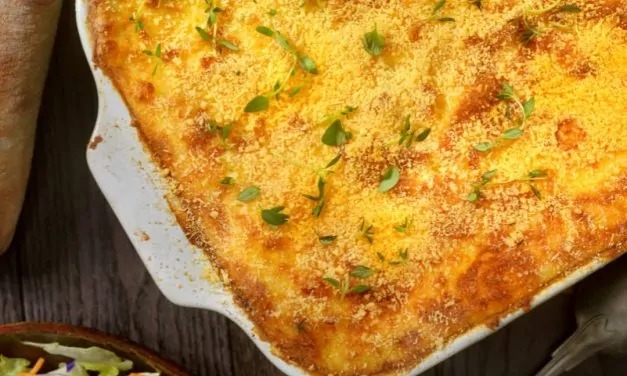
x,y
182,280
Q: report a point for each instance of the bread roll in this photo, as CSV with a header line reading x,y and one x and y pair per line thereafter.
x,y
27,29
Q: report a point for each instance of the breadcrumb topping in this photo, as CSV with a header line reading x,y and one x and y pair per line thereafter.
x,y
505,195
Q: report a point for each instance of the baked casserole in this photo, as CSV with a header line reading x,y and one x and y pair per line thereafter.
x,y
373,179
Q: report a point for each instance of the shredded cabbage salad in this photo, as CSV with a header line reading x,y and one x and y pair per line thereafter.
x,y
86,362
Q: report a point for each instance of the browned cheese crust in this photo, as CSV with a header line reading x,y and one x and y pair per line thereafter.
x,y
448,250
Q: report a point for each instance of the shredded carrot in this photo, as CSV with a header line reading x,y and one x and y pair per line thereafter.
x,y
35,369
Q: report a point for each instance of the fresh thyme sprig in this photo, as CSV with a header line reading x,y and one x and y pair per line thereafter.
x,y
325,239
223,130
408,136
213,11
403,228
227,180
336,134
249,194
556,7
526,109
366,231
373,42
344,112
136,17
403,256
317,210
262,102
362,272
486,181
390,178
322,177
274,216
435,13
157,55
486,177
344,286
530,30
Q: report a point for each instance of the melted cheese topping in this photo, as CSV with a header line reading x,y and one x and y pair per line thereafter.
x,y
467,262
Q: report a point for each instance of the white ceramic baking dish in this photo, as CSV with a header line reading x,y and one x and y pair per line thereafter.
x,y
135,190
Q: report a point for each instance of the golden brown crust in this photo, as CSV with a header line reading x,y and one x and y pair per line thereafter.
x,y
469,261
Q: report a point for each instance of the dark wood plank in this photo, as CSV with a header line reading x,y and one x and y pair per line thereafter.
x,y
10,290
594,367
77,264
247,359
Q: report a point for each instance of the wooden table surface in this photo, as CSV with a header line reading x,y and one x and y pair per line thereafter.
x,y
71,262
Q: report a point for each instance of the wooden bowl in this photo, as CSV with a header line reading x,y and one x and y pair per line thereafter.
x,y
12,335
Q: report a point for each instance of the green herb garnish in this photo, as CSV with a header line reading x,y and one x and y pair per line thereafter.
x,y
556,7
227,181
203,34
362,272
423,135
403,255
335,134
530,30
537,174
139,25
477,187
249,194
569,8
274,217
366,231
327,239
317,210
390,178
322,174
295,91
156,54
136,17
213,10
334,161
486,181
408,136
307,64
321,184
436,10
373,42
229,45
223,130
258,103
360,289
526,108
535,191
344,286
405,226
